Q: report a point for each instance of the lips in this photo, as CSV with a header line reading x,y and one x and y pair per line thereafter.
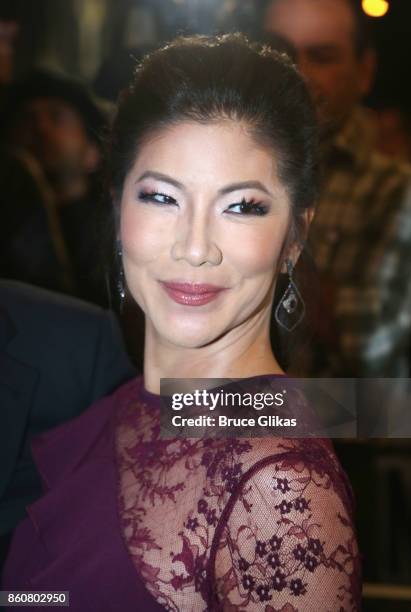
x,y
191,294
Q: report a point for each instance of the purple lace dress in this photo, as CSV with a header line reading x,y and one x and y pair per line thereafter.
x,y
131,522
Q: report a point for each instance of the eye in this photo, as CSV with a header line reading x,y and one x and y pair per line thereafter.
x,y
249,207
156,197
324,56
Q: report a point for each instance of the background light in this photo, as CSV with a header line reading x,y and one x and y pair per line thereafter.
x,y
375,8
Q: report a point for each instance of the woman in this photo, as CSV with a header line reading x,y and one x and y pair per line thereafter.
x,y
213,181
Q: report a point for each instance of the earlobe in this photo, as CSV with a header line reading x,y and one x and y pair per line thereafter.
x,y
310,216
92,158
293,256
294,251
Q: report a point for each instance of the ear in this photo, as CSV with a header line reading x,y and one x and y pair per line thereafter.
x,y
293,252
368,67
91,158
308,216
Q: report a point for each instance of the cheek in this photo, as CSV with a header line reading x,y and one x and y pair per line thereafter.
x,y
142,236
339,80
327,79
257,254
72,140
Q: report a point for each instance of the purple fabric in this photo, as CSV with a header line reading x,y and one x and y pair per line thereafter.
x,y
75,538
71,540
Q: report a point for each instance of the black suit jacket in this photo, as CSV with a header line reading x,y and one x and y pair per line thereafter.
x,y
57,356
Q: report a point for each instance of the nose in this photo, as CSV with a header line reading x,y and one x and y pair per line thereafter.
x,y
194,240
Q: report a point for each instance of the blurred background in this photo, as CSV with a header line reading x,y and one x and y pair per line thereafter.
x,y
95,43
94,39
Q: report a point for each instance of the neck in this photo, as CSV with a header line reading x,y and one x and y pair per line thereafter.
x,y
240,353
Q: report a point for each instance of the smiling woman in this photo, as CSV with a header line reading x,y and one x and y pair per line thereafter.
x,y
196,222
214,179
214,170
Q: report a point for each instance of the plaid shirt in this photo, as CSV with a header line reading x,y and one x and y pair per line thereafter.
x,y
361,239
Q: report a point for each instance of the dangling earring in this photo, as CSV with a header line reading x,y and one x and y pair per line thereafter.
x,y
120,274
291,308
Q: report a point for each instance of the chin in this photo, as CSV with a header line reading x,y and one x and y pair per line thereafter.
x,y
182,335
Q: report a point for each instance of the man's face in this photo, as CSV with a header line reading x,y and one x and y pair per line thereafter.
x,y
54,133
322,32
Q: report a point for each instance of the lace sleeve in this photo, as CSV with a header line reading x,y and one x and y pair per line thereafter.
x,y
285,541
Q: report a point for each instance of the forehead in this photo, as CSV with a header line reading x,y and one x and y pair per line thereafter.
x,y
312,22
48,104
208,154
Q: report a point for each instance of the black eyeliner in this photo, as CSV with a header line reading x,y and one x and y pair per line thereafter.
x,y
149,196
252,207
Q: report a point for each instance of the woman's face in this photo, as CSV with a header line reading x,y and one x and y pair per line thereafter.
x,y
202,205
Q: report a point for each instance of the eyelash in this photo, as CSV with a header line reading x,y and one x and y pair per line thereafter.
x,y
250,206
149,196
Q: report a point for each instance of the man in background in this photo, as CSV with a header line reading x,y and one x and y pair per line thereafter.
x,y
360,237
50,198
57,356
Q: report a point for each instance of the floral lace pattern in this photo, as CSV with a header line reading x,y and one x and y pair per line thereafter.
x,y
235,524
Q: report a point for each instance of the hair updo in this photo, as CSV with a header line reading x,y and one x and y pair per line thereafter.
x,y
206,79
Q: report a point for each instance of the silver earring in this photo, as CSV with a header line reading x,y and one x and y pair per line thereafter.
x,y
120,276
291,308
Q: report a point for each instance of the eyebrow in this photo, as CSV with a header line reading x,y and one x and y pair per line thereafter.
x,y
159,176
244,185
223,191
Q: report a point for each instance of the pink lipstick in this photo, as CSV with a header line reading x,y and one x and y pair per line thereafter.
x,y
191,294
